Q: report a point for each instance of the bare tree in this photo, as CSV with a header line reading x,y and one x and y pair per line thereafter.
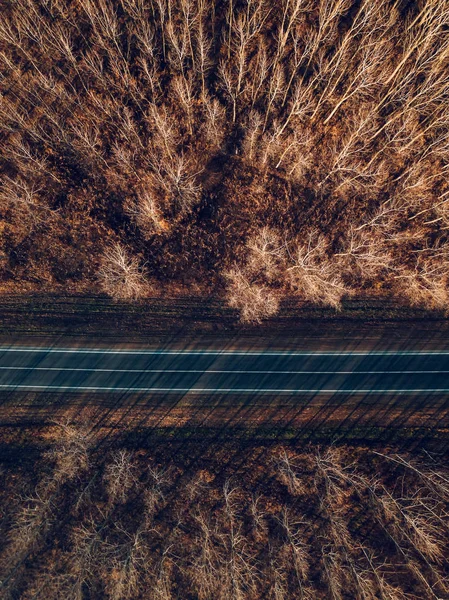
x,y
252,135
368,251
126,560
119,476
32,522
184,90
424,283
240,575
86,556
297,552
154,494
207,559
266,253
288,475
258,514
313,275
214,122
22,197
146,212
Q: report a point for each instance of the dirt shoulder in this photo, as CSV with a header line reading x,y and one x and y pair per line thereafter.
x,y
207,322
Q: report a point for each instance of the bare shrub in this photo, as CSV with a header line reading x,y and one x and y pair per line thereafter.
x,y
120,275
254,301
70,451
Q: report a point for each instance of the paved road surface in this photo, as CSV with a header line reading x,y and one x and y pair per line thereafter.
x,y
224,372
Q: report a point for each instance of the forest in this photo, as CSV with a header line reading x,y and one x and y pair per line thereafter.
x,y
253,154
248,149
84,517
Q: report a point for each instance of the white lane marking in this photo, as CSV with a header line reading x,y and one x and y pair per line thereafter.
x,y
218,390
205,371
225,352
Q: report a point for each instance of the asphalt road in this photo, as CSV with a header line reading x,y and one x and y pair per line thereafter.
x,y
224,372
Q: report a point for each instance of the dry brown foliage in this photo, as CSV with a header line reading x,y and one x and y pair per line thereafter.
x,y
189,132
315,523
120,275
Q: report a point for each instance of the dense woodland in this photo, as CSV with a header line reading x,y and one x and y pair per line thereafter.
x,y
253,149
83,520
